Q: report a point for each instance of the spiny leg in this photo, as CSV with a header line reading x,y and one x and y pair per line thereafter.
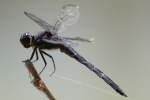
x,y
37,57
33,52
45,63
52,61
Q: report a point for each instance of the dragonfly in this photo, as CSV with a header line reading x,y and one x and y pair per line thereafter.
x,y
49,39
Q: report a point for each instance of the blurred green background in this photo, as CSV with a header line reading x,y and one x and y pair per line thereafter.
x,y
121,49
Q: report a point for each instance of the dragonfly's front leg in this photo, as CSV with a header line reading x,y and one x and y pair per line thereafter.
x,y
34,52
37,57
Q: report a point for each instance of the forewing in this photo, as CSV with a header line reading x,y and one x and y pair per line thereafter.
x,y
79,39
40,22
69,15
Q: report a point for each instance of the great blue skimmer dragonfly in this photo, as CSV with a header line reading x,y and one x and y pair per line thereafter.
x,y
49,39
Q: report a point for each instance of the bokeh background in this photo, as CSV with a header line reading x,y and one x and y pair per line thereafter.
x,y
121,49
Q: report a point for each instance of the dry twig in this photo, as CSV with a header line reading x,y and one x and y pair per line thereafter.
x,y
37,81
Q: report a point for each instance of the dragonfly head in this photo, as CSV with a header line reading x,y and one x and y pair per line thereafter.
x,y
26,40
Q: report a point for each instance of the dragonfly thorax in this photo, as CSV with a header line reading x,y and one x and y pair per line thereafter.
x,y
26,40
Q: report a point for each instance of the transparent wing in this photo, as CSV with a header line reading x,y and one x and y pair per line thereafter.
x,y
74,41
69,15
79,39
40,22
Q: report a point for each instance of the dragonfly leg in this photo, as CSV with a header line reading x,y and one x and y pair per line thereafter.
x,y
37,57
34,50
52,61
45,63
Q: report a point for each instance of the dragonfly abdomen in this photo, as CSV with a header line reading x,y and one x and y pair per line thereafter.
x,y
72,53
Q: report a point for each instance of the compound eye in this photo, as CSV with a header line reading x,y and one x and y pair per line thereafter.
x,y
25,40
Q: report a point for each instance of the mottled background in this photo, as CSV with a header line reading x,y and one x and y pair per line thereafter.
x,y
121,49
